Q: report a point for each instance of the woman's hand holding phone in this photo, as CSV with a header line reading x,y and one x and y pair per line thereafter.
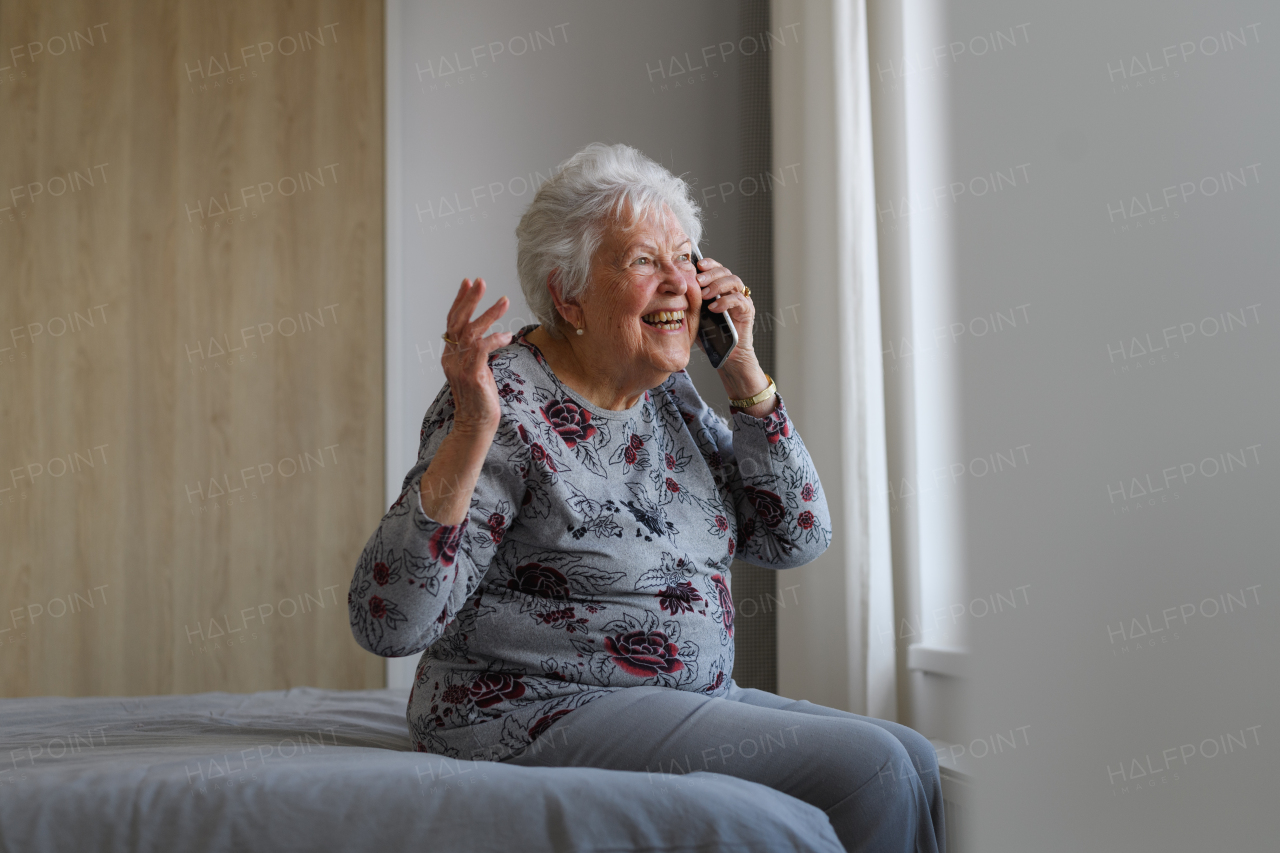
x,y
716,331
723,296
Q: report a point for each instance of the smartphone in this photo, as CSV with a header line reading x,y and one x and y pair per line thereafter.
x,y
716,331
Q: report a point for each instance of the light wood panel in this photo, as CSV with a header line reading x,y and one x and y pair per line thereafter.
x,y
191,403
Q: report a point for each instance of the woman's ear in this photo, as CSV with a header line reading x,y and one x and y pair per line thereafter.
x,y
570,311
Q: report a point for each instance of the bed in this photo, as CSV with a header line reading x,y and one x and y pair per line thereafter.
x,y
311,769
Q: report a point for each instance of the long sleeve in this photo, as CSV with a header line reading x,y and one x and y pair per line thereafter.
x,y
415,573
770,481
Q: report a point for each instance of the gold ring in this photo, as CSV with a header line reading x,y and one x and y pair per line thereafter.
x,y
746,291
448,339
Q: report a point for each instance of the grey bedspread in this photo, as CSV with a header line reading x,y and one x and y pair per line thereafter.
x,y
310,769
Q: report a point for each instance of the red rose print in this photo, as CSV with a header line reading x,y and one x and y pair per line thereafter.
x,y
563,615
678,599
715,685
671,462
776,426
377,607
542,581
540,727
444,543
381,573
644,653
497,521
731,546
455,694
672,485
722,522
539,454
805,520
768,505
571,423
726,602
717,461
808,493
635,442
493,687
630,455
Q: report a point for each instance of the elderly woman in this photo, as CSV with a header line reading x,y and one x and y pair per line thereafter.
x,y
560,553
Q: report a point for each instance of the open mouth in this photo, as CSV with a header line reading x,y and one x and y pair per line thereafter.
x,y
668,321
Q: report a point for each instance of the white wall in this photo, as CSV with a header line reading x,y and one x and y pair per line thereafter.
x,y
1114,108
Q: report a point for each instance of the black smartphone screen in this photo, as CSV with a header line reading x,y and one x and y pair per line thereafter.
x,y
716,331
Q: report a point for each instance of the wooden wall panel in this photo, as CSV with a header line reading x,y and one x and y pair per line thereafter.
x,y
191,394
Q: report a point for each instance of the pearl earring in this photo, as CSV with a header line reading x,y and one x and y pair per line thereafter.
x,y
580,331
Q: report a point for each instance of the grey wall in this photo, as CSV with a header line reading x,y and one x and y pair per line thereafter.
x,y
1137,531
493,95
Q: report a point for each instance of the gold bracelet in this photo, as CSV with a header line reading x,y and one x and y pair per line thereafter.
x,y
768,392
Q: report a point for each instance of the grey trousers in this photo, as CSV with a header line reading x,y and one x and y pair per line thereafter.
x,y
877,781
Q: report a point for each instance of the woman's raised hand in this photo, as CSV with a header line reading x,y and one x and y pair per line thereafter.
x,y
725,293
741,373
466,363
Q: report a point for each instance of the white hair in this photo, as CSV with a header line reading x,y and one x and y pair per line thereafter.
x,y
567,219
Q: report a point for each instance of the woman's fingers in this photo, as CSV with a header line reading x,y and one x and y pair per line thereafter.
x,y
471,301
485,320
731,300
473,334
466,363
458,322
709,269
460,303
741,312
496,341
469,357
738,309
718,281
489,343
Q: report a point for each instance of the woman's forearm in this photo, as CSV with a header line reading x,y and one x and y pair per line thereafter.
x,y
450,480
741,383
762,409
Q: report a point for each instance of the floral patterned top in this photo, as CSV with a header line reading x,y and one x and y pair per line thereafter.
x,y
595,555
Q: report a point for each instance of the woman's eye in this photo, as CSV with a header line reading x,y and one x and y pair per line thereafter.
x,y
642,260
684,257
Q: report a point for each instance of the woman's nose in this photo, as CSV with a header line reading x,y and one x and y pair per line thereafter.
x,y
673,278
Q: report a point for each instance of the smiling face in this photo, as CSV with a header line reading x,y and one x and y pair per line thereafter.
x,y
643,299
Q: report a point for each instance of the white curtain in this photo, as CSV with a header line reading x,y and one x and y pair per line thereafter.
x,y
832,645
